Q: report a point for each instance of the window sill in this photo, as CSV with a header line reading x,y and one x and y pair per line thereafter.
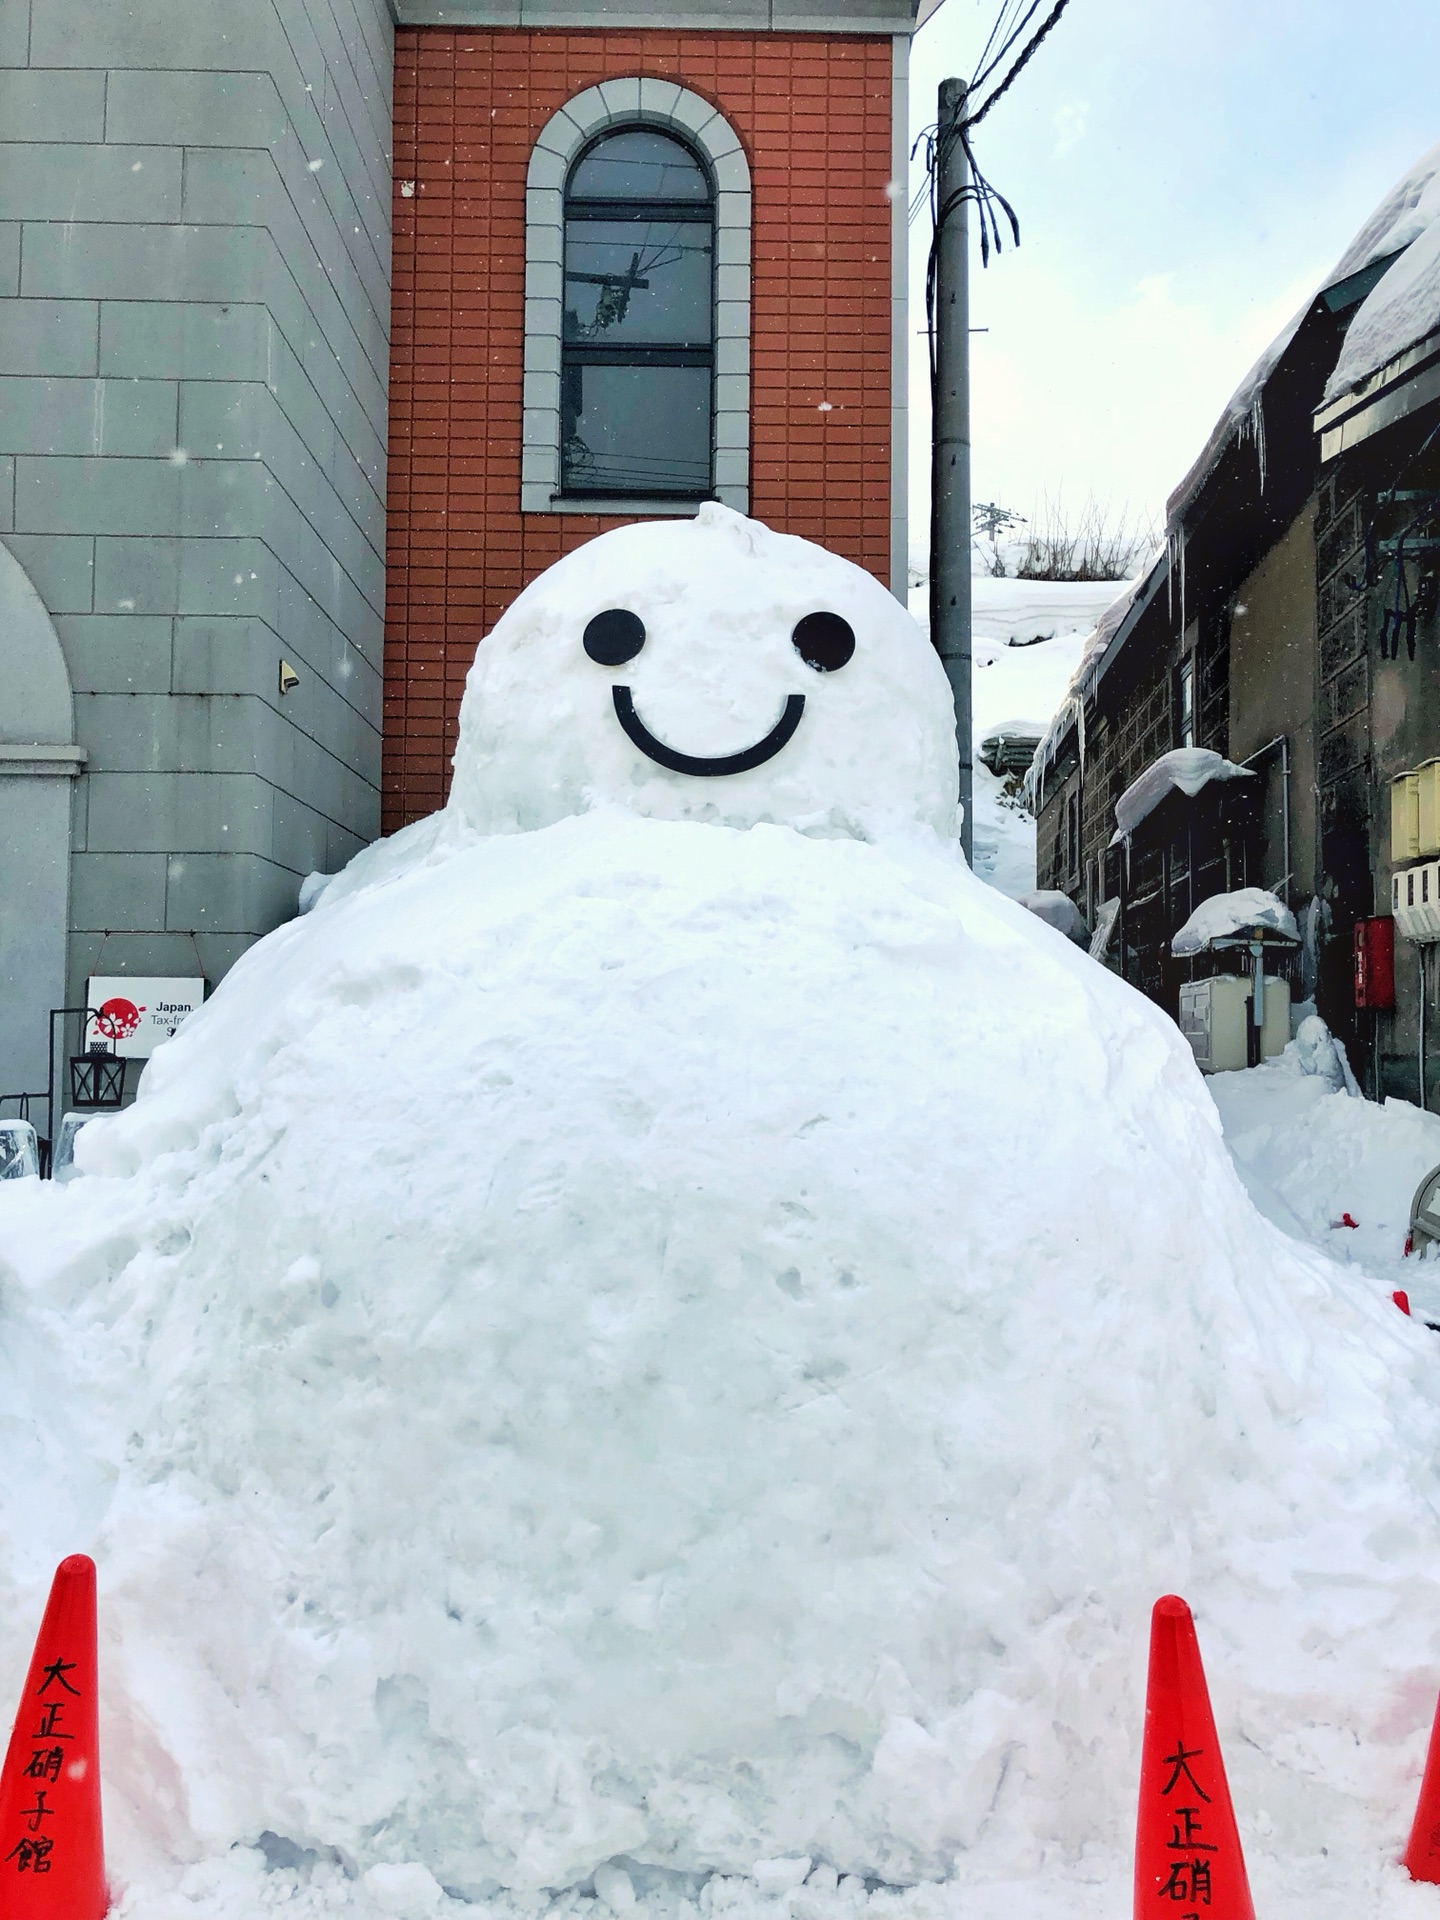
x,y
537,500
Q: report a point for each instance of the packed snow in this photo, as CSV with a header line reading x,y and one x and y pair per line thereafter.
x,y
653,1352
1224,915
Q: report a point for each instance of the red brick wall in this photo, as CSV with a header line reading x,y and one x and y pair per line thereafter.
x,y
814,115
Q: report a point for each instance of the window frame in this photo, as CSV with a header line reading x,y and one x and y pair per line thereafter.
x,y
610,107
580,209
1187,705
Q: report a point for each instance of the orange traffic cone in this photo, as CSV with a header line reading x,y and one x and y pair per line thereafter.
x,y
52,1857
1187,1846
1421,1858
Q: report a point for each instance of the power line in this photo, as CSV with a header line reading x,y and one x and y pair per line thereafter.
x,y
1031,48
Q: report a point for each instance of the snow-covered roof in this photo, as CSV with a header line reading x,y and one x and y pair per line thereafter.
x,y
1400,311
1409,209
1396,313
1082,681
1014,730
1224,915
1187,769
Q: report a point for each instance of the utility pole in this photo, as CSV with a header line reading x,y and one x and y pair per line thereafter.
x,y
950,437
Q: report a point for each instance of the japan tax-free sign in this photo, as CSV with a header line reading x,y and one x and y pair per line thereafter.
x,y
131,1016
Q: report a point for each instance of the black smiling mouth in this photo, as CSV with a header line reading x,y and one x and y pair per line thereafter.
x,y
756,756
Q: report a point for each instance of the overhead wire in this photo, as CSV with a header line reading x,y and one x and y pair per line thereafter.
x,y
1009,26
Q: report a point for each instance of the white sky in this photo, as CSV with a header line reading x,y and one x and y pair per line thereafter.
x,y
1185,174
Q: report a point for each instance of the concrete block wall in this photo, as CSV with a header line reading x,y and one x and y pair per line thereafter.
x,y
194,349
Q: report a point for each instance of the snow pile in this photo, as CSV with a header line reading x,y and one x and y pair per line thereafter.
x,y
1059,911
646,1361
1225,914
1185,770
1310,1152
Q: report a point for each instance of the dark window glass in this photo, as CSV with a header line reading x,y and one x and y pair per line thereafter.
x,y
638,365
632,282
636,429
639,165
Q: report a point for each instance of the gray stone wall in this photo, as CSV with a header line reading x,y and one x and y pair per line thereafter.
x,y
194,320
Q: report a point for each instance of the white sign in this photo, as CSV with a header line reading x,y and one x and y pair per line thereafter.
x,y
130,1016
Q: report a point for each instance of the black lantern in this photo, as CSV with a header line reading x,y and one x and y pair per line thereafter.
x,y
97,1078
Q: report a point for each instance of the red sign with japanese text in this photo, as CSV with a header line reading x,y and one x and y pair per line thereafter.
x,y
1188,1862
52,1856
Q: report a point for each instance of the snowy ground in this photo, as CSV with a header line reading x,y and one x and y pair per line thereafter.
x,y
1310,1154
1028,638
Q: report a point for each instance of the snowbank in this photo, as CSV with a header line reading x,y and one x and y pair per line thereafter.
x,y
1187,770
648,1359
1310,1153
1225,914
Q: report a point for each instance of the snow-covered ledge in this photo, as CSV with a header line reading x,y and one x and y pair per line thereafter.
x,y
629,103
1186,768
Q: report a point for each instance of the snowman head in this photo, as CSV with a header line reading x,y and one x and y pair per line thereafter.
x,y
707,669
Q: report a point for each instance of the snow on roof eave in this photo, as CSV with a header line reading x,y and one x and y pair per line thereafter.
x,y
1399,316
1239,410
1402,307
1390,393
1400,218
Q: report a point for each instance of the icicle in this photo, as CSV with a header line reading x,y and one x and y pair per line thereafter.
x,y
1252,427
1175,563
1180,546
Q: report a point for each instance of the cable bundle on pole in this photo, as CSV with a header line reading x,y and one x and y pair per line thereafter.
x,y
953,181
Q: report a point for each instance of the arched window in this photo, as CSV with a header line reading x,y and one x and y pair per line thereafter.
x,y
637,305
637,368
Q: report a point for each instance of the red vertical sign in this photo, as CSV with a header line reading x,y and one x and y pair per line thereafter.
x,y
1188,1863
52,1857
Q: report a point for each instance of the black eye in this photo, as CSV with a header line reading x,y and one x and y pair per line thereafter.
x,y
824,641
614,637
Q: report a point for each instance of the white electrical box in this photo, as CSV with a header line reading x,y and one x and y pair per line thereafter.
x,y
1415,901
1215,1019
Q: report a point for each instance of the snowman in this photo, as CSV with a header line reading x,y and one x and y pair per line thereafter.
x,y
664,1338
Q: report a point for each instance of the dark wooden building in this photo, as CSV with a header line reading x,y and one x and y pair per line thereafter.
x,y
1291,626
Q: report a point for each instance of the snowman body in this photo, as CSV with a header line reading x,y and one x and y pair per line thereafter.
x,y
668,1324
